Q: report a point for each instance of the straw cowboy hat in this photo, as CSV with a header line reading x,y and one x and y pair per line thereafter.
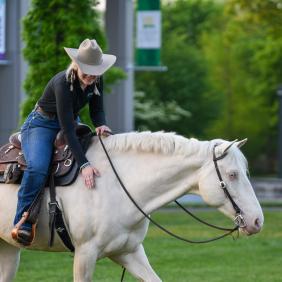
x,y
90,58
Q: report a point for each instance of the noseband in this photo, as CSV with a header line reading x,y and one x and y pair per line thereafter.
x,y
239,219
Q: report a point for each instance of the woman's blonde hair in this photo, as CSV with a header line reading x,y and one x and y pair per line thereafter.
x,y
71,73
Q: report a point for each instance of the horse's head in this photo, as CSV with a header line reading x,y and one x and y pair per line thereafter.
x,y
227,170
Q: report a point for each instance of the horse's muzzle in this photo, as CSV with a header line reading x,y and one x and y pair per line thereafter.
x,y
253,228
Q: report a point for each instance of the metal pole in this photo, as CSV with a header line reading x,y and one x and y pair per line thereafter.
x,y
279,94
119,27
11,70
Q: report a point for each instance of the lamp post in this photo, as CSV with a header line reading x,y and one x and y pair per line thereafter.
x,y
279,94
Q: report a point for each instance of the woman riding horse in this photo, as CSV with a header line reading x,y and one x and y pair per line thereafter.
x,y
64,96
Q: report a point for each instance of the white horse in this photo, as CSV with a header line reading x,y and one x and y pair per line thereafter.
x,y
156,168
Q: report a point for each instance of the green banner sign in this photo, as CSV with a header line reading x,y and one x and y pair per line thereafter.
x,y
148,41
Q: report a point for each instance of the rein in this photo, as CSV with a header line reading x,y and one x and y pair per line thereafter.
x,y
204,222
229,231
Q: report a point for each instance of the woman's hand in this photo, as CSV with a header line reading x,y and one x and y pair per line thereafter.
x,y
103,130
89,173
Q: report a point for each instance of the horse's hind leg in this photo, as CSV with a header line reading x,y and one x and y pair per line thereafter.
x,y
9,261
138,265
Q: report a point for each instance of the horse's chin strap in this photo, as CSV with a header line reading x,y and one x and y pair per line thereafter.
x,y
239,219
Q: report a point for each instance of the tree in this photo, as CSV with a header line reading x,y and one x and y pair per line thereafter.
x,y
224,63
245,69
184,84
47,28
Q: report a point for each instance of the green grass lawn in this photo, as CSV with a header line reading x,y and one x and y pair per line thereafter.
x,y
249,259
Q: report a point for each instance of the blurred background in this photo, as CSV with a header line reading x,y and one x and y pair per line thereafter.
x,y
202,68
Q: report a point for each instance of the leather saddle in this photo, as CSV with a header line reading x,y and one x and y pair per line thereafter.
x,y
63,167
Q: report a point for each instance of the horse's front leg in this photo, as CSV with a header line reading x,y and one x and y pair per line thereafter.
x,y
138,265
9,261
84,262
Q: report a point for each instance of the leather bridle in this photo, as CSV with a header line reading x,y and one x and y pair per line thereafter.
x,y
239,219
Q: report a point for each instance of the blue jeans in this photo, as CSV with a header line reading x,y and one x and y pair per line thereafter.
x,y
38,134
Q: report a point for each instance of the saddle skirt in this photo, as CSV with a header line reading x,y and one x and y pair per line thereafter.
x,y
64,167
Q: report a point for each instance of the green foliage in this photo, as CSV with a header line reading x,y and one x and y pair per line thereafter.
x,y
155,114
184,84
245,68
47,28
224,63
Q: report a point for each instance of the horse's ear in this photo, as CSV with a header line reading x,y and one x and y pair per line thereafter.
x,y
240,143
226,145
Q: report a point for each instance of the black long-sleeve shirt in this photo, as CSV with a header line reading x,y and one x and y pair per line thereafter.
x,y
57,98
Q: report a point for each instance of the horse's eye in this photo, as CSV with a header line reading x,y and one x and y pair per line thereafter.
x,y
233,175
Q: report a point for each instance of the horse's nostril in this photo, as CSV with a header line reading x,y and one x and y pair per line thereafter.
x,y
257,223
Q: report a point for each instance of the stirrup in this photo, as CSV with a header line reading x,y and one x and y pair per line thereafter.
x,y
16,229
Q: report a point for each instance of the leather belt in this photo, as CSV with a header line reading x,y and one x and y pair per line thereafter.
x,y
44,113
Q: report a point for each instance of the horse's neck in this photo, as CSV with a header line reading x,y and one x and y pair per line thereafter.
x,y
170,178
153,179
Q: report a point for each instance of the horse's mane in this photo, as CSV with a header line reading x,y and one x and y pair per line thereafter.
x,y
166,143
158,142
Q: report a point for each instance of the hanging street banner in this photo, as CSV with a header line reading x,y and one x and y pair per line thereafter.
x,y
148,33
2,29
148,41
